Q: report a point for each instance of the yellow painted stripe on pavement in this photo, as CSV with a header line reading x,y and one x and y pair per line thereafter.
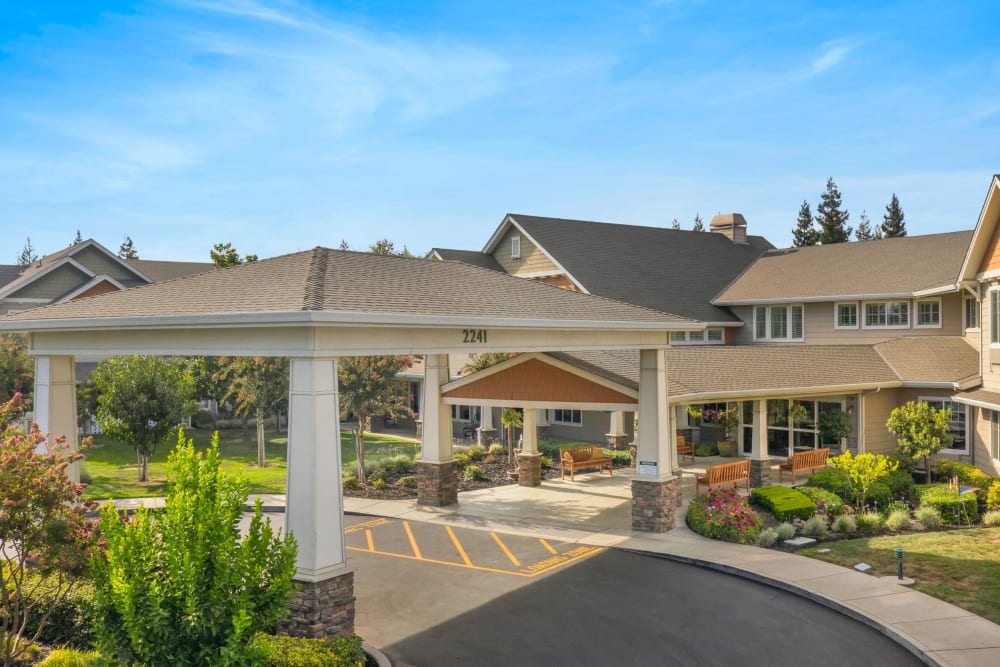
x,y
503,546
367,524
547,546
413,542
458,545
514,573
371,542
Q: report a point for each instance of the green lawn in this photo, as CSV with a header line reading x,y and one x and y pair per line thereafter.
x,y
114,471
958,566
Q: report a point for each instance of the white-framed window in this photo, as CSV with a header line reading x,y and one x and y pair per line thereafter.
x,y
846,315
994,434
465,413
928,314
971,311
887,315
568,417
515,247
995,317
956,424
707,337
778,323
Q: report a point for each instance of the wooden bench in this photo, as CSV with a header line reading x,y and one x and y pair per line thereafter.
x,y
684,448
586,456
810,460
725,473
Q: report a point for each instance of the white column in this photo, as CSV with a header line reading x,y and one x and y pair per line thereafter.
x,y
55,402
543,417
758,442
617,423
315,506
436,443
529,440
487,418
656,441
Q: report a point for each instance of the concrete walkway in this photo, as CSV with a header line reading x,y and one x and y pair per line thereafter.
x,y
596,510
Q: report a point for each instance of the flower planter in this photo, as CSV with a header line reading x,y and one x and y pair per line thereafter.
x,y
726,448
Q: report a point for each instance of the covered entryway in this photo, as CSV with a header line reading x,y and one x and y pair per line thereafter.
x,y
318,305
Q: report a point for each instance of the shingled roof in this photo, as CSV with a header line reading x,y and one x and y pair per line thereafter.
x,y
897,267
670,270
468,256
345,282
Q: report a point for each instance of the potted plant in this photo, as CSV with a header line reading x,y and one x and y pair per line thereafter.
x,y
512,419
728,421
834,425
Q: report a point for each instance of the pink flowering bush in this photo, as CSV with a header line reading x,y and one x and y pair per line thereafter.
x,y
724,515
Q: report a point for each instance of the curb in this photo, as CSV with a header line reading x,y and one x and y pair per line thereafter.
x,y
900,638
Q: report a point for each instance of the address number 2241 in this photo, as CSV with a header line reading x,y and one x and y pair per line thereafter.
x,y
473,335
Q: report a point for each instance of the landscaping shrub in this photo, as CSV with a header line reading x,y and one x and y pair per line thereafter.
x,y
707,449
70,619
954,508
476,452
993,496
548,447
869,521
783,502
473,473
786,531
378,483
815,527
351,481
496,450
929,517
281,651
377,476
408,482
546,461
865,476
991,518
618,457
833,480
829,502
898,519
901,484
895,506
74,658
968,475
203,419
767,538
845,524
462,459
879,495
400,465
724,515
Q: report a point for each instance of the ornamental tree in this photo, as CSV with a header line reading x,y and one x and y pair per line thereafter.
x,y
255,385
44,538
478,362
921,431
17,369
370,387
863,471
142,401
185,588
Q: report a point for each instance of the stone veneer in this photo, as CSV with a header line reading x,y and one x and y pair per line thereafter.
x,y
529,469
654,504
617,441
321,609
760,472
437,483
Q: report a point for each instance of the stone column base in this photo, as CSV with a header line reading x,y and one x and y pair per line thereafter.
x,y
760,472
437,483
321,608
529,469
487,436
617,441
654,504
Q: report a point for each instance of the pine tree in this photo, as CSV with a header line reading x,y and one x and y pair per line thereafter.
x,y
77,240
675,224
804,233
864,232
832,220
27,256
344,245
699,226
127,249
894,220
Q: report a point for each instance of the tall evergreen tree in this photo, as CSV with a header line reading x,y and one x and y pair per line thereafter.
x,y
894,220
864,232
27,256
127,249
699,226
77,240
675,224
831,218
804,233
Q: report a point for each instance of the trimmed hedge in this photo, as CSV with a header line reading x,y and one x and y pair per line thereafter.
x,y
954,508
968,475
833,480
993,496
829,502
785,503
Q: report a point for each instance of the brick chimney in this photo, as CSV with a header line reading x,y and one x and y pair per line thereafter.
x,y
731,225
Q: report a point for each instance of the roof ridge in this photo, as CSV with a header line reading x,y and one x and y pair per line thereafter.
x,y
312,298
615,224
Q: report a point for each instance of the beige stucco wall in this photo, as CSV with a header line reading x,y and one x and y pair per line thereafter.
x,y
878,405
532,259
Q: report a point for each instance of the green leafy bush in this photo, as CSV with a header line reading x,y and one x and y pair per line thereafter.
x,y
476,452
929,517
618,457
188,588
879,495
203,419
69,619
767,538
378,476
833,480
351,481
706,449
783,502
901,484
968,475
473,472
991,518
549,448
845,524
378,483
786,531
993,496
280,651
462,459
898,519
829,502
723,514
546,461
75,658
865,473
400,465
408,482
496,450
954,508
815,527
896,506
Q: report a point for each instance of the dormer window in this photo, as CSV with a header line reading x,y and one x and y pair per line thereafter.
x,y
778,323
515,247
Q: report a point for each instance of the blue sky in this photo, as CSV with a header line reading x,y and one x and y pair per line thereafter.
x,y
280,125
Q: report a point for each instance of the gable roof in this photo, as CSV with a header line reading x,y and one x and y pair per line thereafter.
x,y
52,261
670,270
159,270
349,287
472,257
9,273
887,268
985,233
